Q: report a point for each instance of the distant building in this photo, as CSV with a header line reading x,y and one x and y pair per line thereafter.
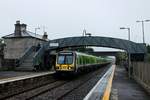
x,y
19,41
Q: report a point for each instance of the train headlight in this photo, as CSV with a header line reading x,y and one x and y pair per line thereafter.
x,y
71,67
57,67
68,67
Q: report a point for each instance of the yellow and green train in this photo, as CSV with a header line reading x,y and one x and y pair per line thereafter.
x,y
72,61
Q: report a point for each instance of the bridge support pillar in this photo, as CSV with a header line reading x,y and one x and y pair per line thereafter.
x,y
129,65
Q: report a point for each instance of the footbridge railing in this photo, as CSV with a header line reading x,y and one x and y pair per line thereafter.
x,y
38,58
26,53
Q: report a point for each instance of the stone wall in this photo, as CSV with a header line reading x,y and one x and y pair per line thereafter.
x,y
18,86
15,47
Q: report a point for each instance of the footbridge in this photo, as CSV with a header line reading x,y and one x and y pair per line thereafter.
x,y
129,46
136,50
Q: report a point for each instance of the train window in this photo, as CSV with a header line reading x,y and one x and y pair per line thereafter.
x,y
61,59
69,59
65,59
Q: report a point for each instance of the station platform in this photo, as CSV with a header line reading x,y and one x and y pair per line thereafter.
x,y
124,88
12,82
10,74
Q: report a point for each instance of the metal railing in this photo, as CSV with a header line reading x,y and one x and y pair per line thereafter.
x,y
38,57
26,53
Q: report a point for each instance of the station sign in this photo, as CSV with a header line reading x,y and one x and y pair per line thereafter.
x,y
54,44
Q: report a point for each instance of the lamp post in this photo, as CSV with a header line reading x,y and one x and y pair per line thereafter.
x,y
84,32
129,56
128,31
88,34
142,21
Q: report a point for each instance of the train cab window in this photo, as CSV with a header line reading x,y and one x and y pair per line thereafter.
x,y
69,59
65,59
61,59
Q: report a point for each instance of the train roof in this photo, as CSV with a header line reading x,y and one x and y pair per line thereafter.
x,y
79,53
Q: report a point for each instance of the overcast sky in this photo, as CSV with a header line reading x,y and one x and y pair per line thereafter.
x,y
65,18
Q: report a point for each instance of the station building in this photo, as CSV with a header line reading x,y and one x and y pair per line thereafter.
x,y
18,42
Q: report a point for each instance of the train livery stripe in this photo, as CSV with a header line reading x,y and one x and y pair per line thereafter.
x,y
106,95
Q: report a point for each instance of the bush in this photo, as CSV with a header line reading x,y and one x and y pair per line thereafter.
x,y
147,59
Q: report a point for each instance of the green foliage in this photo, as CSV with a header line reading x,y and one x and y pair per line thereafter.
x,y
122,56
84,49
148,48
148,58
148,55
1,41
2,45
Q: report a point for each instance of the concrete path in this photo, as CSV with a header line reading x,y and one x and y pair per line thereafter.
x,y
126,89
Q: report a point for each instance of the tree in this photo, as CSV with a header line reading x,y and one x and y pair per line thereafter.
x,y
121,57
148,48
2,45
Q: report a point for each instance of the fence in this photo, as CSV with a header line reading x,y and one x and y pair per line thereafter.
x,y
141,73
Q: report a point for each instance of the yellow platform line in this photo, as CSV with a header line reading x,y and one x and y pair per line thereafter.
x,y
106,95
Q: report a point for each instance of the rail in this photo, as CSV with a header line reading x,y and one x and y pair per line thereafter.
x,y
21,59
102,89
38,57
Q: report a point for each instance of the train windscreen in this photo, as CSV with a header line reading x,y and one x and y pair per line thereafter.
x,y
65,59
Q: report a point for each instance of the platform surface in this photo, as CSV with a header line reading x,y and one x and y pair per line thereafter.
x,y
124,88
11,74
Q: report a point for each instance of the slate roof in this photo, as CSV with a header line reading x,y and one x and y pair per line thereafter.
x,y
25,34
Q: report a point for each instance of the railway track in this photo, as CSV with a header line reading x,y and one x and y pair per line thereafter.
x,y
62,89
33,92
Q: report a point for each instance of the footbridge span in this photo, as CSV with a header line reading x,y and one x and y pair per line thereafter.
x,y
137,50
129,46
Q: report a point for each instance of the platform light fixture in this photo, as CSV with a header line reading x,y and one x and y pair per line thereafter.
x,y
142,21
128,31
129,56
88,34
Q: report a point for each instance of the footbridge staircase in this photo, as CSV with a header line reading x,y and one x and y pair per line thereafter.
x,y
32,59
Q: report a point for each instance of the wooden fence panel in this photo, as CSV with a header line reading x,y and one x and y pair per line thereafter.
x,y
141,73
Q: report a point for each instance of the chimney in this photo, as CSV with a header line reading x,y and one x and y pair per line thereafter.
x,y
18,28
45,36
23,27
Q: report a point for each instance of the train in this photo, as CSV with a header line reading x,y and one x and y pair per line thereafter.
x,y
72,61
